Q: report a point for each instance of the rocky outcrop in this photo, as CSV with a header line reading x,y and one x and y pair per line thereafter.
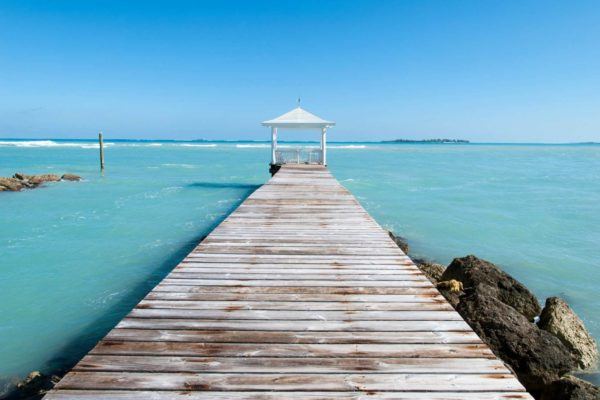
x,y
537,357
473,271
11,184
560,320
400,241
570,388
501,311
21,181
36,180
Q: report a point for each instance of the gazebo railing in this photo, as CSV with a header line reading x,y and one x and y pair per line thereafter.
x,y
298,155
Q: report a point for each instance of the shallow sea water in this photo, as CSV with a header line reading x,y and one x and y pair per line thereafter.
x,y
75,257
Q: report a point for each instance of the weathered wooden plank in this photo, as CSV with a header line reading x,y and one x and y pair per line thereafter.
x,y
190,294
295,283
333,382
331,267
274,395
287,251
312,326
227,306
111,363
187,274
373,259
294,263
297,290
371,350
296,315
339,337
311,269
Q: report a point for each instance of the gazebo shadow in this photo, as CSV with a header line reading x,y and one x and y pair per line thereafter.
x,y
224,185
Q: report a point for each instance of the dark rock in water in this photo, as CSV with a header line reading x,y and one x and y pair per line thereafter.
x,y
560,320
35,180
34,386
70,177
22,181
432,271
400,242
11,184
472,271
537,357
571,388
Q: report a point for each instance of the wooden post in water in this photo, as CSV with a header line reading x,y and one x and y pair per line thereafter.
x,y
101,143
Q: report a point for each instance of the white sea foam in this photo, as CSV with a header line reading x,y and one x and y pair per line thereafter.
x,y
179,165
137,144
50,143
350,146
34,143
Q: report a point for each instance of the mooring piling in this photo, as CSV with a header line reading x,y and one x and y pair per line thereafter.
x,y
101,144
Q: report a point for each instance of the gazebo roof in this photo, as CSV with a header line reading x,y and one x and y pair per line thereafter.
x,y
298,118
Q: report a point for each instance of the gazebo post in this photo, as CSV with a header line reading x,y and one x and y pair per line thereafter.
x,y
273,145
324,146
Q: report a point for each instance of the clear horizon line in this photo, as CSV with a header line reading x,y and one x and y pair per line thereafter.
x,y
383,141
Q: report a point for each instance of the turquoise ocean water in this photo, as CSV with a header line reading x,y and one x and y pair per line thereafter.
x,y
75,257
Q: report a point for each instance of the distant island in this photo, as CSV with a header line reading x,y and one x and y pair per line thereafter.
x,y
426,141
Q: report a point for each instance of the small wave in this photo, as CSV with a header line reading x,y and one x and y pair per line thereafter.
x,y
350,146
197,145
287,146
179,165
50,143
252,146
36,143
137,144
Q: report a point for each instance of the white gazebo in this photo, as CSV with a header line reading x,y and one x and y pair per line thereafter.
x,y
298,118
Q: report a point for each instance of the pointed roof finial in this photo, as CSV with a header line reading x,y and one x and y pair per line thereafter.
x,y
298,101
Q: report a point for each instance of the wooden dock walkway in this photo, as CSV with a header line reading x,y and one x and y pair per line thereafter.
x,y
298,294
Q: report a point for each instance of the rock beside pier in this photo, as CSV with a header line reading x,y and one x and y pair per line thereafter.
x,y
400,241
472,271
570,388
560,320
21,181
537,357
501,311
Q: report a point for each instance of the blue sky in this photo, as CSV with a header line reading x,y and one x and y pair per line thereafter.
x,y
481,70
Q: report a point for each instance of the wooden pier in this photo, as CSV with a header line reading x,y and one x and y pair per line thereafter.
x,y
298,294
